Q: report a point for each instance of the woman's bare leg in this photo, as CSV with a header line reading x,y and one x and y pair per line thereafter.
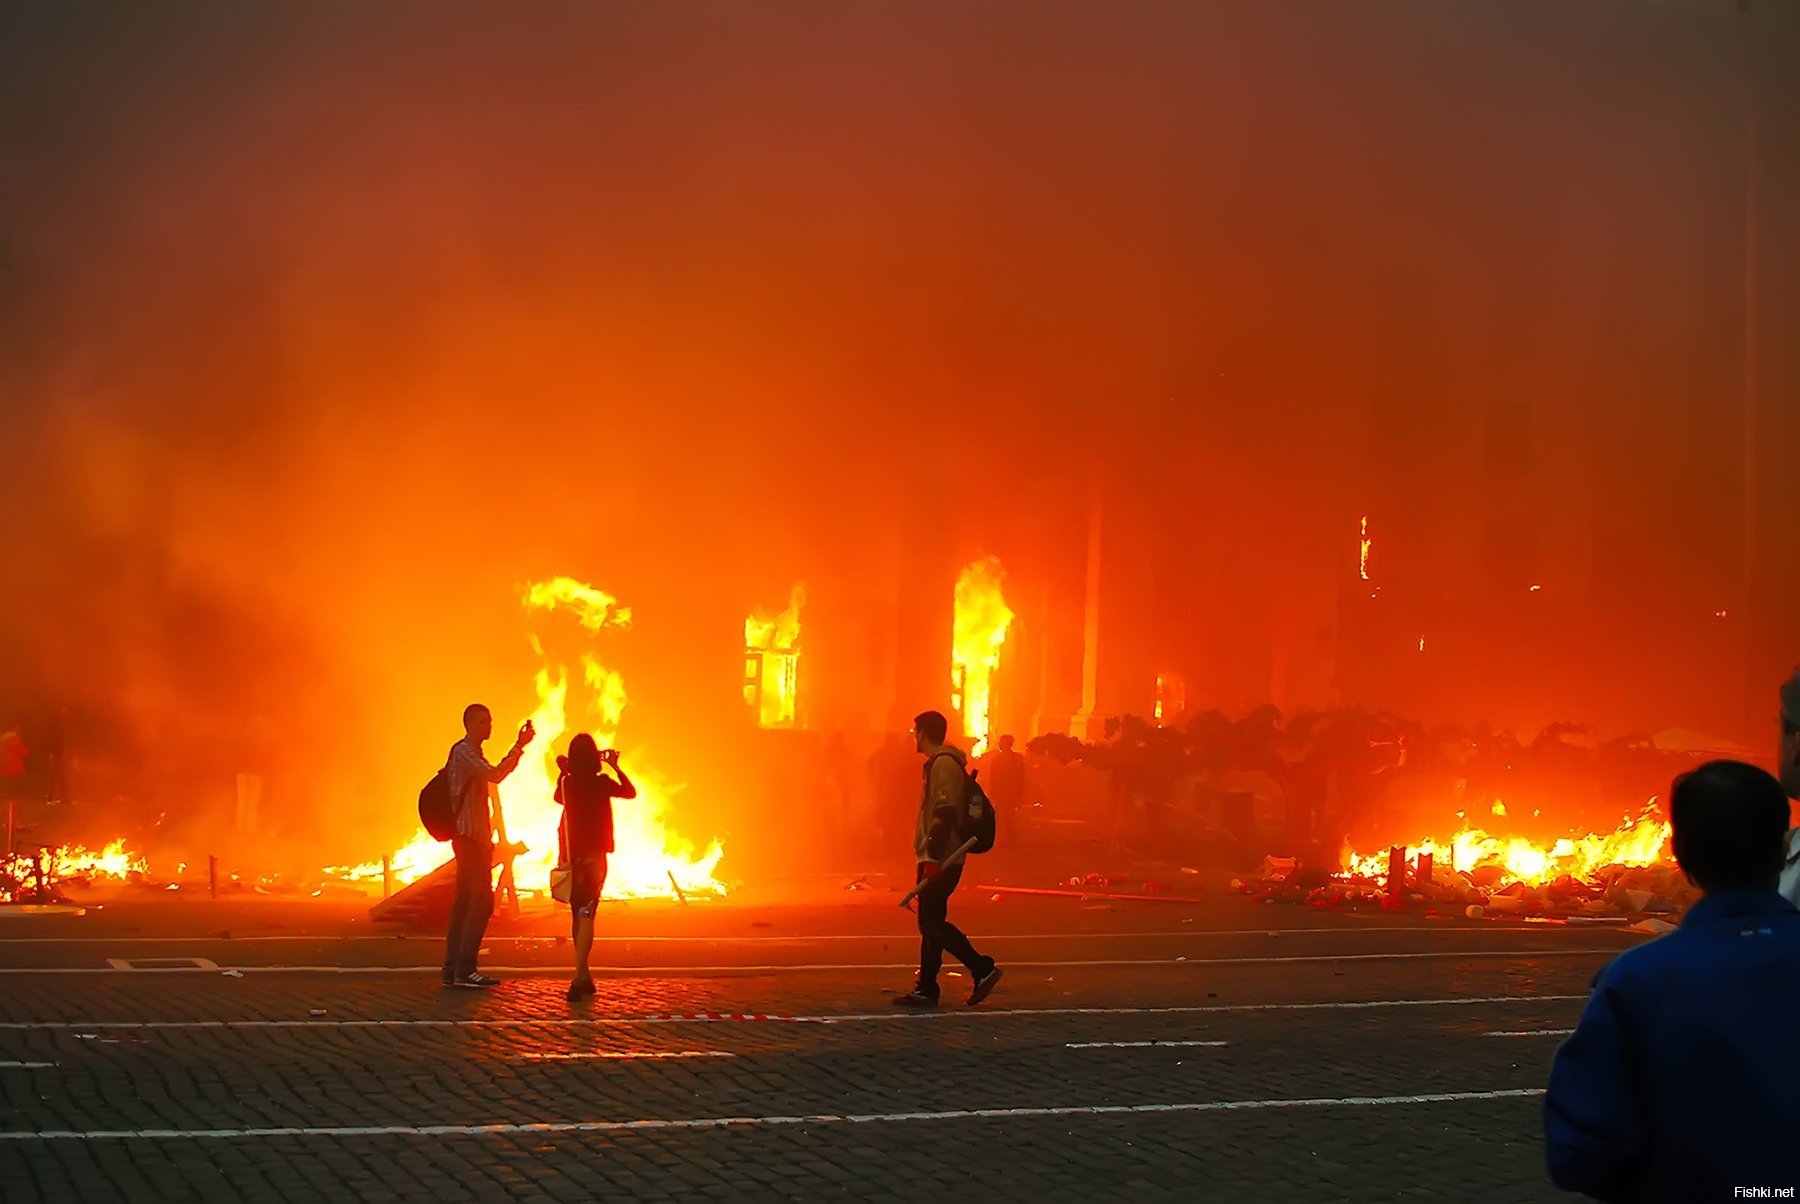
x,y
584,945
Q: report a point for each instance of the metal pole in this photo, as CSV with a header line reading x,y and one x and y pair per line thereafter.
x,y
1747,614
387,875
212,875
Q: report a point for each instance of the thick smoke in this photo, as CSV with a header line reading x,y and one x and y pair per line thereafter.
x,y
323,328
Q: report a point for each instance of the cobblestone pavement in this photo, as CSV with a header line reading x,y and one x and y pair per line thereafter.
x,y
1376,1062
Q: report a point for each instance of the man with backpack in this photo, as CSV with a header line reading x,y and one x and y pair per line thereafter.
x,y
469,775
944,826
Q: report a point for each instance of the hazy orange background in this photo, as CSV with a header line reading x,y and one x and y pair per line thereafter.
x,y
324,327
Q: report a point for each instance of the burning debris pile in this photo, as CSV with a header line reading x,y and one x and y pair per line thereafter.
x,y
1624,872
39,877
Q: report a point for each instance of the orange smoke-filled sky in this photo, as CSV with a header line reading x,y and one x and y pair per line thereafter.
x,y
325,326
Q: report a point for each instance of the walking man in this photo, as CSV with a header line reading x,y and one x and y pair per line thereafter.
x,y
941,828
471,776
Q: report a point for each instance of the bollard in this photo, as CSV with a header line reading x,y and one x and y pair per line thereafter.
x,y
212,875
387,875
1396,882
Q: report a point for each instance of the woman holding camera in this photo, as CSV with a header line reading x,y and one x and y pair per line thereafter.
x,y
586,794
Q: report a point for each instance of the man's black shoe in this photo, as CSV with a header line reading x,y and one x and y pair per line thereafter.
x,y
915,999
984,986
476,981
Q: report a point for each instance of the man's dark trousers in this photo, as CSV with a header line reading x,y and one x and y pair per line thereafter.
x,y
937,933
474,904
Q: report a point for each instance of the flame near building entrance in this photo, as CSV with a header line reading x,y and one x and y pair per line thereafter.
x,y
982,619
651,859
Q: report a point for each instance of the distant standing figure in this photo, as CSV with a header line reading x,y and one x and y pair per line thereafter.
x,y
471,776
938,832
1004,779
1678,1083
586,795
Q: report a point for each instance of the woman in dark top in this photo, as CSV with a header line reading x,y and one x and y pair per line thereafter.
x,y
586,795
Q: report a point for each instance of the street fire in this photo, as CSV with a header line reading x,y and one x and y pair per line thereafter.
x,y
21,874
1639,840
982,619
651,859
772,663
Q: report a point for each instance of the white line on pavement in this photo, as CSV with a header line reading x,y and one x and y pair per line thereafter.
x,y
739,1122
796,939
1532,1032
838,967
1136,1044
26,1065
647,1056
847,1018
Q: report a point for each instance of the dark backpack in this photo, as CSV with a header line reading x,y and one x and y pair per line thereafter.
x,y
977,819
978,810
437,810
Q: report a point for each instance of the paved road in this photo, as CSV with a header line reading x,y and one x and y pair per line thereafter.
x,y
1132,1052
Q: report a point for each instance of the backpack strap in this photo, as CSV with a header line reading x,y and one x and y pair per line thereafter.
x,y
929,761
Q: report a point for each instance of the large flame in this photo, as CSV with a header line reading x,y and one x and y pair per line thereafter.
x,y
982,618
772,662
1639,840
113,862
650,859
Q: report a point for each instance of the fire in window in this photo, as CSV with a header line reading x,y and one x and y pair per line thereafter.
x,y
1171,698
772,663
981,621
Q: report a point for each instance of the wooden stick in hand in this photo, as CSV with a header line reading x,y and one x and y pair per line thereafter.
x,y
943,865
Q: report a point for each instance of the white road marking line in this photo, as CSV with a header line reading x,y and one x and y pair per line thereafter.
x,y
845,1018
1532,1032
626,1056
1136,1044
840,967
26,1065
195,963
738,1122
796,939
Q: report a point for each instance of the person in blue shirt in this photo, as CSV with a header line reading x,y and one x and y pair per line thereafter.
x,y
1682,1079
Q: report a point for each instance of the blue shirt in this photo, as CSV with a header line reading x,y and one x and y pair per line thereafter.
x,y
1682,1080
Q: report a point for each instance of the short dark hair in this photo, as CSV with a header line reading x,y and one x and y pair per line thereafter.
x,y
472,710
1730,822
932,725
